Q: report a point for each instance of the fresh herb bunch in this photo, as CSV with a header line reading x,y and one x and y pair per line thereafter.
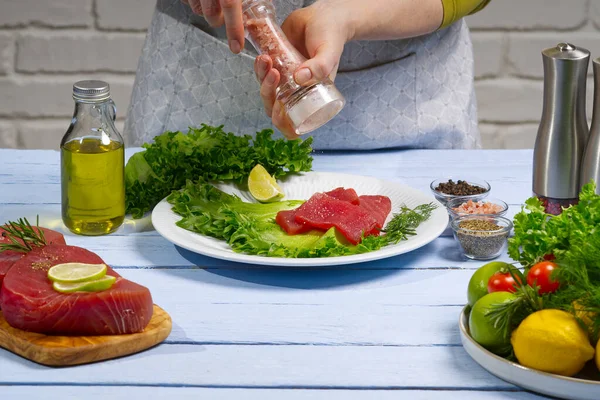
x,y
22,236
508,315
251,228
573,237
538,234
209,153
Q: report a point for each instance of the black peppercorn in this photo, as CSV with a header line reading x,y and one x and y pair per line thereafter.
x,y
459,188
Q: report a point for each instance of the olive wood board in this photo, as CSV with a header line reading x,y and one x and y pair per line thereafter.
x,y
61,351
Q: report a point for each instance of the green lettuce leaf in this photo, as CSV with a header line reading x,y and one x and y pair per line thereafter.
x,y
208,153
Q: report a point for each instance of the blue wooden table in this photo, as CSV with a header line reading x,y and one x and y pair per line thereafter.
x,y
380,330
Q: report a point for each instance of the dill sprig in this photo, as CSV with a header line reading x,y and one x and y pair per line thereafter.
x,y
23,237
405,223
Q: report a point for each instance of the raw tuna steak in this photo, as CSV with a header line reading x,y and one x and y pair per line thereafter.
x,y
9,257
323,211
287,221
348,195
378,206
29,302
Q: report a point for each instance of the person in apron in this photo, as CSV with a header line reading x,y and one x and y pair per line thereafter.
x,y
413,92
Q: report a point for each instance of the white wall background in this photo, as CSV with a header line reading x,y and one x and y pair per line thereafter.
x,y
47,45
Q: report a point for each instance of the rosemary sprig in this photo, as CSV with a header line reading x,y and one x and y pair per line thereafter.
x,y
507,316
23,237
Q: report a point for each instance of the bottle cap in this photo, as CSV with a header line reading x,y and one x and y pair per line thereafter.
x,y
312,108
91,90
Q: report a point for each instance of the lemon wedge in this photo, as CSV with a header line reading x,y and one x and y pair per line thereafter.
x,y
76,272
96,285
263,187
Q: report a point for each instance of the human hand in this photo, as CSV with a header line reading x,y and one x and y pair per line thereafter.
x,y
219,12
319,32
269,79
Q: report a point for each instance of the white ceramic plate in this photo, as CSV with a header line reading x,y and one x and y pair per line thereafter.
x,y
527,378
301,187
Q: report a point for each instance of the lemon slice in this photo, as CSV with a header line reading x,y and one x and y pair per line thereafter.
x,y
263,187
76,272
96,285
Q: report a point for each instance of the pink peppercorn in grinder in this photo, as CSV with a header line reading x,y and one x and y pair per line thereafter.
x,y
563,129
308,108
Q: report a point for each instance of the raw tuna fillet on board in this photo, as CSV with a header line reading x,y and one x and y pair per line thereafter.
x,y
286,219
378,206
323,211
9,257
348,195
29,302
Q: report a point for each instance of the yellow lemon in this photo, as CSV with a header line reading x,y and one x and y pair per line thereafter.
x,y
263,186
552,341
597,355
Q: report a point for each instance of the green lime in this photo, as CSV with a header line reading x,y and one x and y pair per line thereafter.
x,y
76,272
482,329
479,281
97,285
263,187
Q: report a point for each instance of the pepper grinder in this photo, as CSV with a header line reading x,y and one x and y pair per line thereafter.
x,y
590,167
563,129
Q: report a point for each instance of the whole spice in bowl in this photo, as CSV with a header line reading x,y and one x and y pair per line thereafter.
x,y
448,189
459,188
481,237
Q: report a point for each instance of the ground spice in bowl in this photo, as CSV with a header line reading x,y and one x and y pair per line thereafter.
x,y
481,237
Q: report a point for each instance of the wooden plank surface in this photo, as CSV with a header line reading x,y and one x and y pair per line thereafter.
x,y
273,366
375,330
189,393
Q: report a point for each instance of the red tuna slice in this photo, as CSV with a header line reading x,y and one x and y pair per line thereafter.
x,y
286,219
30,303
323,211
9,257
378,206
348,195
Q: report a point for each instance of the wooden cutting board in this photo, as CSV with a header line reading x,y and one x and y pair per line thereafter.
x,y
59,351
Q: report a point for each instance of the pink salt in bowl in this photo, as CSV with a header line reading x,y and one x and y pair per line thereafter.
x,y
461,206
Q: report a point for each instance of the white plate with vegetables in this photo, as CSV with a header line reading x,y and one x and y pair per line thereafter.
x,y
271,246
528,378
538,325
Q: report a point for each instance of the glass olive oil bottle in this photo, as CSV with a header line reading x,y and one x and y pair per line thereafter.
x,y
92,164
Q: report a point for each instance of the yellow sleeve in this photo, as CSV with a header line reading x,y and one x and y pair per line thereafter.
x,y
456,9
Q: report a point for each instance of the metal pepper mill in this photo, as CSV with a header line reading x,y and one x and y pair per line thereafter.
x,y
563,129
590,167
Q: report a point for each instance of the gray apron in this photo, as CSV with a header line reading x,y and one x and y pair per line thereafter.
x,y
415,93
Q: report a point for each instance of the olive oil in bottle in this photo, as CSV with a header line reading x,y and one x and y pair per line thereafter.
x,y
92,164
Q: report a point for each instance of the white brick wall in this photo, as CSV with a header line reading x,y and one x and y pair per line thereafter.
x,y
45,46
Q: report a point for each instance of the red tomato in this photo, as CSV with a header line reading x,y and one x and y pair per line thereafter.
x,y
549,257
539,275
502,282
